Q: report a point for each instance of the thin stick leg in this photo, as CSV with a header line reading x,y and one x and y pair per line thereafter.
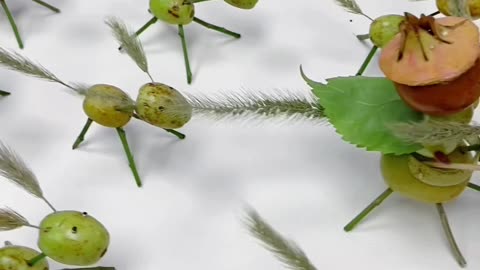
x,y
448,232
143,28
363,37
4,93
350,226
474,186
81,136
12,23
52,8
181,33
180,135
216,28
131,161
367,61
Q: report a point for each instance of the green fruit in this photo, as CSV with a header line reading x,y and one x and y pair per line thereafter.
x,y
397,175
17,257
243,4
108,105
73,238
163,106
383,29
173,11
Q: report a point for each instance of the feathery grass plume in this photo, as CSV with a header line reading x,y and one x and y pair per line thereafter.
x,y
249,105
434,132
352,7
14,169
129,42
11,220
19,63
285,250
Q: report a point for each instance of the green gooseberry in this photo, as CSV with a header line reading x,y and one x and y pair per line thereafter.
x,y
243,4
384,28
17,257
179,12
73,238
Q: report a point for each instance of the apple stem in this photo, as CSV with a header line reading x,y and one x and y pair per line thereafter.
x,y
12,23
351,225
216,28
181,33
4,93
36,259
448,232
367,61
52,8
474,186
81,136
131,161
143,28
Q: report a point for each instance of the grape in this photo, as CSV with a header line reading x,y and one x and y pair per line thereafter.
x,y
397,175
102,103
17,257
474,6
73,238
173,11
243,4
383,29
163,106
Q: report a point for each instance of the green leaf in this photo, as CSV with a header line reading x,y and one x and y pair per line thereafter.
x,y
362,109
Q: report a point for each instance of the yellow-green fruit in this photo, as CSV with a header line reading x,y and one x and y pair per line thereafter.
x,y
73,238
397,175
383,29
173,11
163,106
17,257
243,4
108,105
473,5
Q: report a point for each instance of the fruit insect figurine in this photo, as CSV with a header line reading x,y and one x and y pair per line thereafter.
x,y
157,104
12,20
68,237
181,13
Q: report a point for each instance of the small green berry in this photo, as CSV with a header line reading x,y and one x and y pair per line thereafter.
x,y
108,105
243,4
173,11
383,29
17,257
73,238
163,106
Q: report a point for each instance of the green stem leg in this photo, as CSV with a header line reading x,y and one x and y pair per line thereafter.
x,y
81,136
179,135
52,8
36,259
92,268
8,243
474,186
4,93
181,33
12,23
216,28
446,227
367,61
131,161
350,226
434,13
143,28
198,1
363,37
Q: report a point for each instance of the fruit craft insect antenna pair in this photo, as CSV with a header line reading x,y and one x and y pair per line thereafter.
x,y
68,237
157,104
12,20
182,12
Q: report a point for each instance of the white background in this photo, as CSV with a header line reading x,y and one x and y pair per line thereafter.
x,y
301,177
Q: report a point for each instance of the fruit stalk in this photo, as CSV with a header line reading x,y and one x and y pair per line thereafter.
x,y
181,33
36,259
52,8
131,161
350,226
446,227
81,136
12,23
216,28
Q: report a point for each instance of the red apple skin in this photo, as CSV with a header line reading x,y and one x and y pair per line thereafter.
x,y
444,98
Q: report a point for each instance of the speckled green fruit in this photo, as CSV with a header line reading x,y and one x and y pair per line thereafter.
x,y
384,28
243,4
17,257
73,238
108,105
163,106
397,175
173,11
473,5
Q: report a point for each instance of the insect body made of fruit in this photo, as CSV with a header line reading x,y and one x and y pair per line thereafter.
x,y
17,257
163,106
243,4
473,5
407,176
383,29
108,105
179,12
73,238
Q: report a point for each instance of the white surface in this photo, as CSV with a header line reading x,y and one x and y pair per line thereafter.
x,y
302,178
